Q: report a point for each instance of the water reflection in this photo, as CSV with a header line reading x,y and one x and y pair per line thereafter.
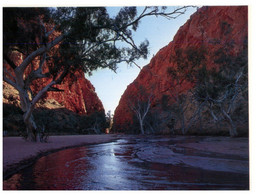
x,y
130,164
60,170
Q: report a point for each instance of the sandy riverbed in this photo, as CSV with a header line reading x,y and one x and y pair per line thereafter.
x,y
136,162
16,151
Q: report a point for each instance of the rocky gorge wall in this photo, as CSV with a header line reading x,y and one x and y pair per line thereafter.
x,y
71,111
208,26
78,93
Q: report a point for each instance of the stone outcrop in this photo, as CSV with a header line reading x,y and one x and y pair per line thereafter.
x,y
208,26
78,93
78,96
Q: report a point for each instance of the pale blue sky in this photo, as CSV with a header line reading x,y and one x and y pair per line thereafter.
x,y
159,31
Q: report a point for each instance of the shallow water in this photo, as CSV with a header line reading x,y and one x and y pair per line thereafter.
x,y
140,163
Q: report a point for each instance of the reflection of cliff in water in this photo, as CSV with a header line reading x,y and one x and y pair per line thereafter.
x,y
137,163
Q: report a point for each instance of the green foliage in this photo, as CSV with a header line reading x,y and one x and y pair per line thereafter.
x,y
219,92
208,84
188,67
224,90
95,36
92,39
224,82
188,62
125,15
94,122
62,121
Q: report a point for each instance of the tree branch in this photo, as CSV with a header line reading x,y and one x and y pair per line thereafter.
x,y
62,76
43,91
36,99
177,11
9,81
50,32
38,52
35,74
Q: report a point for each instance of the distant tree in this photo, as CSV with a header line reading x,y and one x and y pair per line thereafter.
x,y
109,120
140,106
153,122
96,123
54,42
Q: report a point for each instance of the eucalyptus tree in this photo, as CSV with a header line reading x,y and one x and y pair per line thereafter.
x,y
182,77
225,89
219,91
140,104
55,42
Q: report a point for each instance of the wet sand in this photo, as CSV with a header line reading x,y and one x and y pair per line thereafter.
x,y
135,162
18,153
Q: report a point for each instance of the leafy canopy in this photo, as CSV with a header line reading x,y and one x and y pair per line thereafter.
x,y
91,38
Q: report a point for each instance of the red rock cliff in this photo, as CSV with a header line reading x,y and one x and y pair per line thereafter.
x,y
78,93
207,25
79,96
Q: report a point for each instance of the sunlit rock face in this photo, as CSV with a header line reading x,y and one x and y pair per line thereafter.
x,y
78,93
208,25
